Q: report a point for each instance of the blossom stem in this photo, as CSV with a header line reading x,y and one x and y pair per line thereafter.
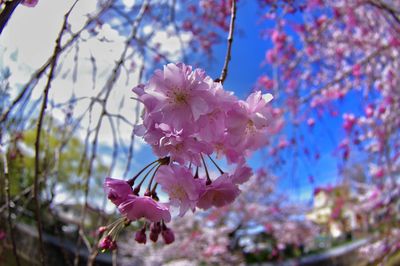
x,y
152,177
132,180
137,189
115,229
115,222
205,168
153,191
216,165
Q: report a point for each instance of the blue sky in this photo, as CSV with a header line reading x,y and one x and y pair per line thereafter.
x,y
247,55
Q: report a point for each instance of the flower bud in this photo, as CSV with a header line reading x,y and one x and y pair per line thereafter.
x,y
140,236
155,230
168,236
105,243
101,230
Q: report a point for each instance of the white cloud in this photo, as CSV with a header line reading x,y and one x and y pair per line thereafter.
x,y
171,44
28,41
129,3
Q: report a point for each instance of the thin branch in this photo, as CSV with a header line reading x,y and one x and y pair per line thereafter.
x,y
56,53
384,6
8,203
85,239
107,89
137,116
224,72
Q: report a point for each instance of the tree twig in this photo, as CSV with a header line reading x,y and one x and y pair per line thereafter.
x,y
384,6
103,101
224,72
9,7
8,203
56,53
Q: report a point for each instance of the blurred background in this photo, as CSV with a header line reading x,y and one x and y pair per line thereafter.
x,y
325,190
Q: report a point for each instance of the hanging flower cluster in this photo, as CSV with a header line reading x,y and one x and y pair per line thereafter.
x,y
187,118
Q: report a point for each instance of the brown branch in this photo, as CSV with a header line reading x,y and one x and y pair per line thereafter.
x,y
56,53
23,193
224,72
8,203
115,146
137,117
85,239
9,7
384,6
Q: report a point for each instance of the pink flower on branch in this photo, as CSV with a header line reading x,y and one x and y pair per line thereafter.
x,y
183,190
220,192
248,122
187,117
117,190
135,207
182,95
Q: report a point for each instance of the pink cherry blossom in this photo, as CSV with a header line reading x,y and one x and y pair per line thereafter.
x,y
135,207
248,122
117,190
220,192
182,188
265,82
242,174
181,145
182,94
212,126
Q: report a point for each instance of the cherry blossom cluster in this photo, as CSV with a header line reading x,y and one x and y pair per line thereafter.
x,y
188,117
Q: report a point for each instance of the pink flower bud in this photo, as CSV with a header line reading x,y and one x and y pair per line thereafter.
x,y
140,236
105,243
155,230
168,236
101,230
